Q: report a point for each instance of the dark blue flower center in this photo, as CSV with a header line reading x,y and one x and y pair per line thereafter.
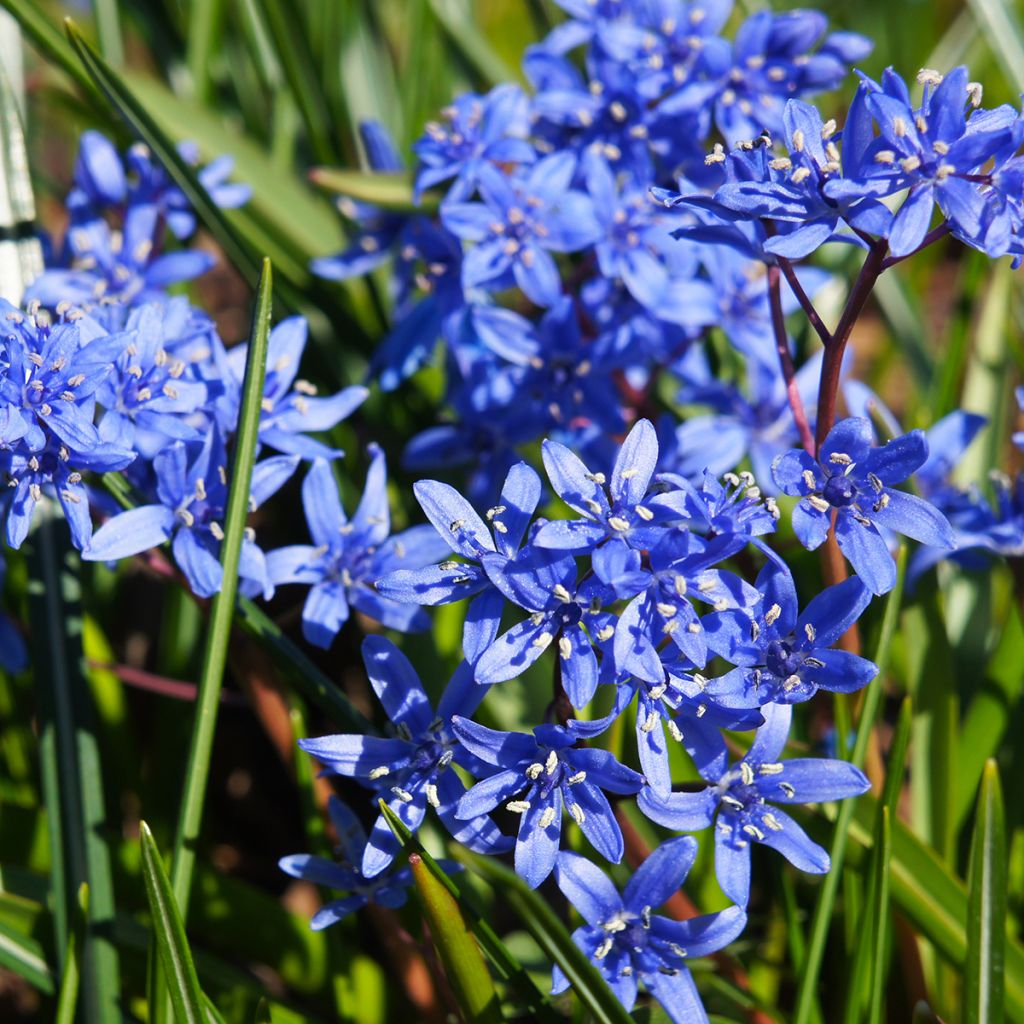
x,y
781,660
840,491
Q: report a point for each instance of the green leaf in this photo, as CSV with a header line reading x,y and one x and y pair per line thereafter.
x,y
932,898
298,66
46,37
878,901
263,1013
463,962
391,191
71,769
474,46
986,907
215,653
1003,33
505,963
22,955
68,998
824,908
552,936
169,933
108,29
205,20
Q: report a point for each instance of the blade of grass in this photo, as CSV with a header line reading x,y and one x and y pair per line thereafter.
x,y
298,66
197,766
47,38
205,19
823,910
71,773
932,898
880,914
68,999
108,30
983,991
169,934
471,43
1003,35
23,956
391,191
463,962
505,963
861,989
552,936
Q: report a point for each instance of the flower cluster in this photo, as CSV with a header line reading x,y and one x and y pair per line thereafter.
x,y
608,286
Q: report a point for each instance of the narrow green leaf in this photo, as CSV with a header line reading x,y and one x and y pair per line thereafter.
x,y
108,30
205,20
263,1013
823,910
71,770
67,1001
392,191
1003,33
169,933
897,765
879,902
22,955
463,962
46,37
983,992
932,898
506,964
215,653
298,66
472,44
552,936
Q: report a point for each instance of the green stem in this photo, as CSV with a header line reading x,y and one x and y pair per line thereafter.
x,y
222,608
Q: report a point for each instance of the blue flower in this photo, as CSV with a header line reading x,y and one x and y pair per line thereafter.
x,y
477,130
622,515
347,558
933,150
739,801
154,389
386,889
291,406
536,777
411,768
771,61
628,944
191,502
523,219
461,528
783,656
855,480
49,376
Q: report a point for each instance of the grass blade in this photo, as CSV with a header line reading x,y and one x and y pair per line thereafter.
x,y
204,25
169,933
391,191
986,907
807,993
297,64
1003,35
23,956
553,938
108,30
879,929
222,607
67,1001
463,962
471,43
72,779
505,963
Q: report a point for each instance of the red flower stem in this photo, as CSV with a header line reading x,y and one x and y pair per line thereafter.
x,y
805,302
786,360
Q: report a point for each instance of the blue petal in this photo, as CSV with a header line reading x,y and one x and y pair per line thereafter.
x,y
587,888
